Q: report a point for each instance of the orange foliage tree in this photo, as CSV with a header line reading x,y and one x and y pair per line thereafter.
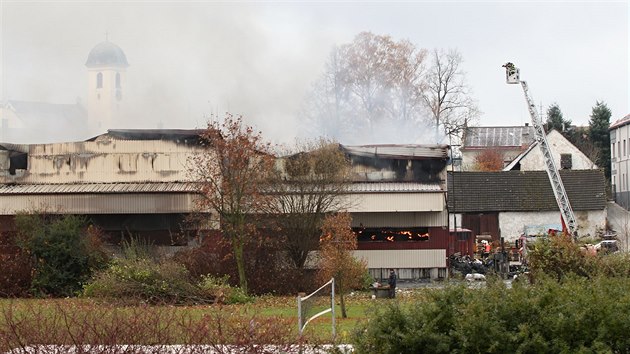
x,y
231,175
489,160
336,260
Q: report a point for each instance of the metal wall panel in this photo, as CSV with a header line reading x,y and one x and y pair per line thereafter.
x,y
396,202
132,203
403,258
402,219
108,162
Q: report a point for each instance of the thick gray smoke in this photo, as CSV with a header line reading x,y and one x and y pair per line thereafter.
x,y
191,59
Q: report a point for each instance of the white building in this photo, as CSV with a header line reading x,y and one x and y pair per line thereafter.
x,y
125,181
566,156
503,203
620,157
510,141
106,66
27,121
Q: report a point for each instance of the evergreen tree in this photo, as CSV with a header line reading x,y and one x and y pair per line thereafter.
x,y
556,121
598,134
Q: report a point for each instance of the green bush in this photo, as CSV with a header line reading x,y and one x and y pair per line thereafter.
x,y
559,256
576,315
220,289
145,280
613,265
63,252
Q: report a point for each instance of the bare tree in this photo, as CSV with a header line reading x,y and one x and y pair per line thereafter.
x,y
368,84
232,177
447,96
309,185
328,107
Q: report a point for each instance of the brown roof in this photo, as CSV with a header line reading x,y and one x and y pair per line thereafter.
x,y
523,191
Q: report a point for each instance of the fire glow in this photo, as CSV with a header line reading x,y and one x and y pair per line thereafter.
x,y
391,235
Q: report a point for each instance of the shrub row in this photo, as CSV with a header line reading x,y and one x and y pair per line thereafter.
x,y
152,281
559,256
576,315
29,327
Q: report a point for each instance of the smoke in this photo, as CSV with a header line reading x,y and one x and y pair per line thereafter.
x,y
191,59
186,62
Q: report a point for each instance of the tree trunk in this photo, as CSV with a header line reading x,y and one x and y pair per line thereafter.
x,y
240,262
341,299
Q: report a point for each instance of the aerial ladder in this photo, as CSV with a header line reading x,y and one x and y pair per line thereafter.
x,y
512,76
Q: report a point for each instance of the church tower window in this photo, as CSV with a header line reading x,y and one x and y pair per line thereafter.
x,y
117,80
99,80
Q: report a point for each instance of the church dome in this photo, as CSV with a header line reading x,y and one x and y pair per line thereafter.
x,y
106,54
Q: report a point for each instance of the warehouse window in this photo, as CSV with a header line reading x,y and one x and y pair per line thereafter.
x,y
392,234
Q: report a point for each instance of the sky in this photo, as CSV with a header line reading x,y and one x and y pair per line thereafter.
x,y
191,59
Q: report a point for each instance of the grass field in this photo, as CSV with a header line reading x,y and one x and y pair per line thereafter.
x,y
269,319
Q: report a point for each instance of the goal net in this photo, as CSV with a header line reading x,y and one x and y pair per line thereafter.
x,y
316,304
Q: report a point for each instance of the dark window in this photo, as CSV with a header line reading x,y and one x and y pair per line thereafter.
x,y
117,80
566,161
99,80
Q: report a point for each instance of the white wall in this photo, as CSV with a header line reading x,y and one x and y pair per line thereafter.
x,y
620,164
558,144
104,104
511,223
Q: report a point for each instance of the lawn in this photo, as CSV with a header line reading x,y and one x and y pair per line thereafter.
x,y
269,319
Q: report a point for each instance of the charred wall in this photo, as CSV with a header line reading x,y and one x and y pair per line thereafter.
x,y
397,170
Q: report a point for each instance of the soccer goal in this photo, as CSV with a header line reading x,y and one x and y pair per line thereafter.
x,y
316,304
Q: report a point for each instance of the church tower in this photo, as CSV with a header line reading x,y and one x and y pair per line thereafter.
x,y
106,66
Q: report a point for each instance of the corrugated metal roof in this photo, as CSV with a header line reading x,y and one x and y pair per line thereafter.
x,y
402,151
81,188
389,187
477,137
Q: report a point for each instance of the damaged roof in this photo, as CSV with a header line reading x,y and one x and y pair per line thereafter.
x,y
152,134
397,187
398,151
505,137
523,191
106,188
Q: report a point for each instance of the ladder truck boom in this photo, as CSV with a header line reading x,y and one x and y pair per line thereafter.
x,y
512,76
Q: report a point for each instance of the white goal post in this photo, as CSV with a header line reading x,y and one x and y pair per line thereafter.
x,y
304,319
